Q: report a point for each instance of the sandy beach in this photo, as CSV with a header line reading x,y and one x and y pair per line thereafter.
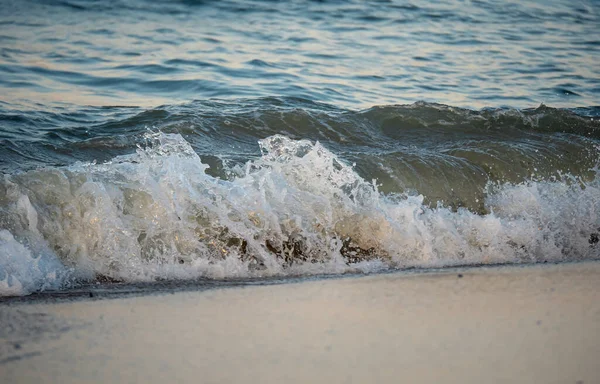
x,y
515,324
299,191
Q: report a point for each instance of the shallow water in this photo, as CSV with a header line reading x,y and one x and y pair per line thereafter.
x,y
175,140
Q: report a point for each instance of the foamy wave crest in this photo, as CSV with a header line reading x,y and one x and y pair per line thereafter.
x,y
298,209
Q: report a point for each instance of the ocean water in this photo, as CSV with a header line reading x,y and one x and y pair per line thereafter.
x,y
163,140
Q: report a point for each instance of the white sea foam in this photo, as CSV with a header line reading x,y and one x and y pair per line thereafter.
x,y
297,209
23,272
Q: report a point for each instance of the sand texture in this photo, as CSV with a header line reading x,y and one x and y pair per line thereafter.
x,y
533,324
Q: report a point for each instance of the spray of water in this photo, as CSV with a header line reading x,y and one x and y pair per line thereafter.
x,y
298,209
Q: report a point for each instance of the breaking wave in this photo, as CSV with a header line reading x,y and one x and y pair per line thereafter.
x,y
296,209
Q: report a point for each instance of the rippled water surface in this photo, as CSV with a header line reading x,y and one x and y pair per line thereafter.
x,y
147,140
353,54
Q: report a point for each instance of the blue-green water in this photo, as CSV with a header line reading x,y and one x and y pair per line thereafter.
x,y
144,140
352,54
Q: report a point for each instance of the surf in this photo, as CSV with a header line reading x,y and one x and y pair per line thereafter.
x,y
297,209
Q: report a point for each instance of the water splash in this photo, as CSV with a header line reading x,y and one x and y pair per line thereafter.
x,y
297,209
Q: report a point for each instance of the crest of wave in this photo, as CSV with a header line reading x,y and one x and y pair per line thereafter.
x,y
297,209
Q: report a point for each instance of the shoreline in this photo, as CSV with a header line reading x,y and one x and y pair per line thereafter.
x,y
120,290
519,323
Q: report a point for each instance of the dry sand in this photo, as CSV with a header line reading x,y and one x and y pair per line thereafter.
x,y
534,324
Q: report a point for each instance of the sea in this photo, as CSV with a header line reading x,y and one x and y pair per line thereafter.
x,y
187,140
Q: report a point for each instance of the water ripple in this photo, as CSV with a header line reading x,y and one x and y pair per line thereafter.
x,y
354,54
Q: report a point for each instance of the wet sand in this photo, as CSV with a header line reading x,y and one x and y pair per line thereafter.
x,y
532,324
